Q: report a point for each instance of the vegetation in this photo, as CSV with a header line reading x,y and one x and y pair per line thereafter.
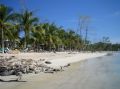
x,y
42,36
104,45
6,14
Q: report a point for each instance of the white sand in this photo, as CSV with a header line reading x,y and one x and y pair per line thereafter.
x,y
58,59
74,58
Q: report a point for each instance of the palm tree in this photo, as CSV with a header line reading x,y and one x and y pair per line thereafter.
x,y
53,36
5,17
49,39
26,21
12,35
38,35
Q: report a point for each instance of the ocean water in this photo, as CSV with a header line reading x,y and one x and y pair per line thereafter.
x,y
101,73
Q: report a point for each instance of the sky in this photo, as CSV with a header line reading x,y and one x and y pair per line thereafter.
x,y
104,15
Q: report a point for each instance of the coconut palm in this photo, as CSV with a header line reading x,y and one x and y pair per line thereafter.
x,y
12,35
46,34
26,21
53,36
6,14
38,35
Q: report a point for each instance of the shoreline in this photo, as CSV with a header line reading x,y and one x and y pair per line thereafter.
x,y
75,58
59,58
35,81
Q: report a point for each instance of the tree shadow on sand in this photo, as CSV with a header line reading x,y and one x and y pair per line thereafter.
x,y
11,81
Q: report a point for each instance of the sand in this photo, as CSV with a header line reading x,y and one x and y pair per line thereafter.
x,y
74,58
59,58
67,79
92,73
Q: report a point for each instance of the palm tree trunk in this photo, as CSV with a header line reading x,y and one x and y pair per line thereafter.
x,y
25,43
2,41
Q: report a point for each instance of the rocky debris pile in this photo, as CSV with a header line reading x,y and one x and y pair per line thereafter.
x,y
14,66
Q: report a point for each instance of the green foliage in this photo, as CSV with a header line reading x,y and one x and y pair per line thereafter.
x,y
47,36
7,28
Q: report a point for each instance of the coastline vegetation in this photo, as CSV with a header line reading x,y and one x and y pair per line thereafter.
x,y
40,36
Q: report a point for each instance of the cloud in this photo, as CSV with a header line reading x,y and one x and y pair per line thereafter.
x,y
117,13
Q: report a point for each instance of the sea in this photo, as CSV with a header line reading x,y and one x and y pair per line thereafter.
x,y
101,73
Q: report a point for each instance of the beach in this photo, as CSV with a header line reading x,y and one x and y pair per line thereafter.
x,y
59,44
96,73
58,58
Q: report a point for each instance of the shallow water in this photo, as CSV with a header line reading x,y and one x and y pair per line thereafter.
x,y
101,73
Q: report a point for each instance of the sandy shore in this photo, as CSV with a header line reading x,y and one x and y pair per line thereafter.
x,y
61,80
74,58
96,73
57,59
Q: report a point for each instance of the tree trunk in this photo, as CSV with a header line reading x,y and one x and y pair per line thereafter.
x,y
25,43
85,47
2,41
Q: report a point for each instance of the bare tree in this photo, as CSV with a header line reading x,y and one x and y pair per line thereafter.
x,y
83,25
